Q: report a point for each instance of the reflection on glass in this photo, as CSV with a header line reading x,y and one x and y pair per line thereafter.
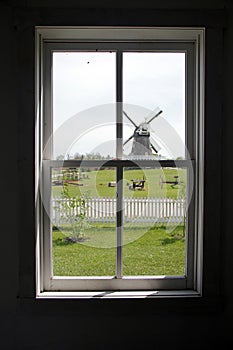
x,y
154,105
154,221
83,221
84,90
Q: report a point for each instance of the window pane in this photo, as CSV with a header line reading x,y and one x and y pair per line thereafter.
x,y
154,235
154,104
83,217
84,94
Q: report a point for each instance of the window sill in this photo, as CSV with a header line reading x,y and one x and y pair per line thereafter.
x,y
118,294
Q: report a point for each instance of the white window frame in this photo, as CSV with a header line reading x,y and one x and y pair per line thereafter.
x,y
49,38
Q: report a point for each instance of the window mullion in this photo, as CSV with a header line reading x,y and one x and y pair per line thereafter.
x,y
119,109
119,175
119,218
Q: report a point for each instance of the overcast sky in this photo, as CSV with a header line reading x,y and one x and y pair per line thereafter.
x,y
85,81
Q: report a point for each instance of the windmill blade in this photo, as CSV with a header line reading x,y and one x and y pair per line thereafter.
x,y
153,147
156,145
156,115
130,119
128,139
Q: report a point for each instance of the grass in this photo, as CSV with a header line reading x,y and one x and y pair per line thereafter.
x,y
97,183
146,251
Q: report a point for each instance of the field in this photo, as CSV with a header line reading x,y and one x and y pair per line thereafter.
x,y
146,251
97,183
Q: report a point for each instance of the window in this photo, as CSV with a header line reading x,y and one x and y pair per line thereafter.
x,y
119,153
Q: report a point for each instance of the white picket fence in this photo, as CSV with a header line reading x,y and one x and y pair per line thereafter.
x,y
138,210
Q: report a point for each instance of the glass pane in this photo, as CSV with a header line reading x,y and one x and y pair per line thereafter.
x,y
83,221
84,94
154,105
154,235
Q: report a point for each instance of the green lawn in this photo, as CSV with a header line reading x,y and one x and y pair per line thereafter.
x,y
146,251
97,183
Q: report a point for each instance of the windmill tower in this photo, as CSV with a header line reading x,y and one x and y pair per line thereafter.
x,y
142,145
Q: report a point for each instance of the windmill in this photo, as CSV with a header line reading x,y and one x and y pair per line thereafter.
x,y
142,145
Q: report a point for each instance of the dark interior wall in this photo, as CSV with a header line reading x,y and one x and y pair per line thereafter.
x,y
27,323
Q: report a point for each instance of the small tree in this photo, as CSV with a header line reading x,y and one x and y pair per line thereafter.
x,y
183,196
75,211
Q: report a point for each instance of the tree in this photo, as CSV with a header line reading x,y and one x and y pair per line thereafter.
x,y
60,157
75,211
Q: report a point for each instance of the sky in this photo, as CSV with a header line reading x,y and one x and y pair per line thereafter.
x,y
84,97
